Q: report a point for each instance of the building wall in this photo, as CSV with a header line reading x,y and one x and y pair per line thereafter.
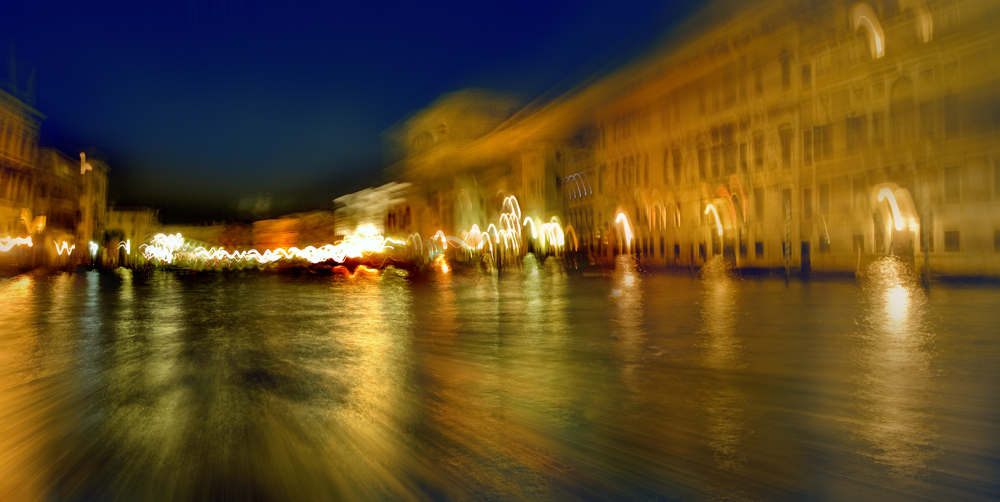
x,y
127,228
19,125
786,124
93,193
779,126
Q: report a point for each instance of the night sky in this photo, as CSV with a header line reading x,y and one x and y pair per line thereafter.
x,y
203,106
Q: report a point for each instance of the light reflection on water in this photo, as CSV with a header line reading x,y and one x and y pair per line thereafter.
x,y
724,402
895,380
534,383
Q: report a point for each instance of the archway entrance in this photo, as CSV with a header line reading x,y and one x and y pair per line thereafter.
x,y
895,222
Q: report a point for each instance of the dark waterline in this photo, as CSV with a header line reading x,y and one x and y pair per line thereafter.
x,y
533,385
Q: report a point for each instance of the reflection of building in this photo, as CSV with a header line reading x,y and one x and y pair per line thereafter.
x,y
767,138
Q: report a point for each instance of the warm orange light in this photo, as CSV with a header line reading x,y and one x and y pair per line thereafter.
x,y
359,270
886,193
621,218
442,262
718,224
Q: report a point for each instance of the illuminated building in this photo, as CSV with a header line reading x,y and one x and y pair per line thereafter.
x,y
228,235
465,154
93,202
57,198
275,233
763,133
791,118
125,229
448,193
19,126
314,228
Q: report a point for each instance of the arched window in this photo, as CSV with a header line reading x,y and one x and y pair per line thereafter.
x,y
866,24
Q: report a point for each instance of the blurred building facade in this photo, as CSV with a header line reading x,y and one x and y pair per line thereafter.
x,y
93,197
125,229
313,228
19,176
55,200
799,135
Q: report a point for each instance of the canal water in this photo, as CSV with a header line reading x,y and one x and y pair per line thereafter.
x,y
537,384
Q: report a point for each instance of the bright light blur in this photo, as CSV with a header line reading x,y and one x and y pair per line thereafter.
x,y
8,243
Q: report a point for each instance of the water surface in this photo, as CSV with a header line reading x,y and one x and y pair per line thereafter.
x,y
535,384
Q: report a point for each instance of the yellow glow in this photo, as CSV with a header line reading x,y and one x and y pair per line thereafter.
x,y
442,263
84,166
897,218
897,302
621,218
168,249
527,220
360,270
475,237
33,225
576,242
7,243
863,14
552,233
718,224
444,240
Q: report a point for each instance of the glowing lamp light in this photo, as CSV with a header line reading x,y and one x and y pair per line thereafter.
x,y
621,218
885,193
718,224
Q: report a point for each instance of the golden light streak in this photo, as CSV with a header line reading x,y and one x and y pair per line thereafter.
x,y
359,270
621,218
897,218
527,220
863,14
718,224
576,242
442,263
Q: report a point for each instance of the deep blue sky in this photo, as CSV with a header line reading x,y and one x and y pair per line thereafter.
x,y
201,103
